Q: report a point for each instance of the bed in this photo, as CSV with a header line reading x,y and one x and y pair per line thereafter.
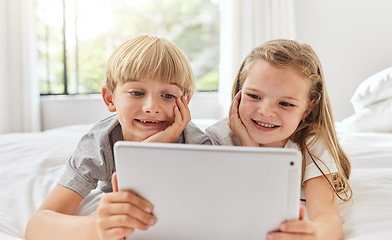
x,y
31,164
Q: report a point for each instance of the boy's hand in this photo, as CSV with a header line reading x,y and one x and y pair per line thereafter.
x,y
120,213
236,125
300,229
182,116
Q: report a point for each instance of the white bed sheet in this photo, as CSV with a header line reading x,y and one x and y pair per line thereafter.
x,y
30,165
369,215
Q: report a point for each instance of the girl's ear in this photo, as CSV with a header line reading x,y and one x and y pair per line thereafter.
x,y
309,109
108,98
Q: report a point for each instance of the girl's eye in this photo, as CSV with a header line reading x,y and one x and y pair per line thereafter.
x,y
254,96
168,96
137,93
286,104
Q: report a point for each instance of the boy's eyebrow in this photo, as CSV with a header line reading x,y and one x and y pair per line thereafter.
x,y
137,80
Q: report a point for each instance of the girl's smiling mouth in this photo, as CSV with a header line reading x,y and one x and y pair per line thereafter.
x,y
265,125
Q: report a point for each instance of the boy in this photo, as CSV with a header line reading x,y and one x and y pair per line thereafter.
x,y
149,84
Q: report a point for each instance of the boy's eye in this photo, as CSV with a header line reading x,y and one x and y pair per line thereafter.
x,y
254,96
286,104
168,96
137,93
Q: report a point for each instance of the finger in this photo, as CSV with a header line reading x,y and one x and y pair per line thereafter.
x,y
183,112
130,198
114,182
184,102
187,110
234,105
181,107
178,119
121,221
184,109
233,111
188,99
288,236
238,95
234,115
302,212
302,226
128,210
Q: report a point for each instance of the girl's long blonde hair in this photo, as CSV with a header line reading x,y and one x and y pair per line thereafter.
x,y
319,124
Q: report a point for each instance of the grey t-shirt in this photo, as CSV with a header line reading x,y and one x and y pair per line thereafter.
x,y
93,161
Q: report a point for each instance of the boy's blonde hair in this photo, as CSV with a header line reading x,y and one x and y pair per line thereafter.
x,y
319,124
149,57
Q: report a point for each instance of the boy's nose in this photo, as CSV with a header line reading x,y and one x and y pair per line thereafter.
x,y
150,105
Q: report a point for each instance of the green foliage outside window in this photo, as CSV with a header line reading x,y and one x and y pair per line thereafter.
x,y
92,29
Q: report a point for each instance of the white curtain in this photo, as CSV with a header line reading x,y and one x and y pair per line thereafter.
x,y
245,24
19,91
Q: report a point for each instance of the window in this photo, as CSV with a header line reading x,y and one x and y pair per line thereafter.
x,y
76,37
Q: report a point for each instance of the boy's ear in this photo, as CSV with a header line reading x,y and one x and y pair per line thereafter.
x,y
108,98
309,109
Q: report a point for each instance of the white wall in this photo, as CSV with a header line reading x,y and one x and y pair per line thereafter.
x,y
353,39
57,111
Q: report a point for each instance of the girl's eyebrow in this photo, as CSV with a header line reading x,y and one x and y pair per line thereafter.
x,y
252,89
284,97
291,98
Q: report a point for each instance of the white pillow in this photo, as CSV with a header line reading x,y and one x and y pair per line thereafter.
x,y
376,88
374,118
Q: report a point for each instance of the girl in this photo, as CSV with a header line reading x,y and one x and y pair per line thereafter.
x,y
280,100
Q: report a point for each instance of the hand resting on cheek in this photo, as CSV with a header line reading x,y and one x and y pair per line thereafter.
x,y
236,125
182,116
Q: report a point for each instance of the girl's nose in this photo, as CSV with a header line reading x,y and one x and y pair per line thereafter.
x,y
151,105
266,109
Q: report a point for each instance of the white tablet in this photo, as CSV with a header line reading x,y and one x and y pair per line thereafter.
x,y
211,192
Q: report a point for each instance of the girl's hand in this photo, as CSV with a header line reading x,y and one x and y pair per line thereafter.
x,y
236,125
120,213
182,116
300,229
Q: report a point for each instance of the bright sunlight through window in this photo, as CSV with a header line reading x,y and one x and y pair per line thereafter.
x,y
76,37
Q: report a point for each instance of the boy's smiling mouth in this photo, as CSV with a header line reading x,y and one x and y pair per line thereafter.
x,y
150,123
145,121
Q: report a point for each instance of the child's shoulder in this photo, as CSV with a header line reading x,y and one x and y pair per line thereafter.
x,y
192,134
108,128
221,134
106,125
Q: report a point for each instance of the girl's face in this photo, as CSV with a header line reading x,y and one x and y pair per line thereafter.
x,y
144,107
273,103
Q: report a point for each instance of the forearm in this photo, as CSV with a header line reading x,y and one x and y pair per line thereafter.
x,y
52,225
329,226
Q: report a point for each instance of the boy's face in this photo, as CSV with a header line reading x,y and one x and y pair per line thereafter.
x,y
144,107
273,102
